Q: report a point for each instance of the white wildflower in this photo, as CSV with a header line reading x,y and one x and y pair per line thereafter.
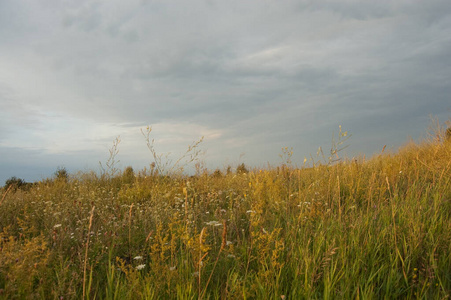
x,y
57,226
213,223
138,258
140,267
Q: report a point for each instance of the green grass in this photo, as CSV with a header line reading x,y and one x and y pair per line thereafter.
x,y
359,229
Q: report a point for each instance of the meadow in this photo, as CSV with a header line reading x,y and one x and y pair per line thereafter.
x,y
336,229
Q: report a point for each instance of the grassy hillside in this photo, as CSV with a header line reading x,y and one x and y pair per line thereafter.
x,y
371,229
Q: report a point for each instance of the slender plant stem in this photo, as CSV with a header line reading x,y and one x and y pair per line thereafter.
x,y
86,253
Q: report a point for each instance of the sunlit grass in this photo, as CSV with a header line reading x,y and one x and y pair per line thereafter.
x,y
370,229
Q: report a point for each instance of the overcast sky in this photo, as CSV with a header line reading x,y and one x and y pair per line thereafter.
x,y
250,76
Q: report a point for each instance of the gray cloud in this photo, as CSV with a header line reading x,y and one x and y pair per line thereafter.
x,y
264,74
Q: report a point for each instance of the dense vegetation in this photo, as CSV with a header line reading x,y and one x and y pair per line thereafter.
x,y
379,228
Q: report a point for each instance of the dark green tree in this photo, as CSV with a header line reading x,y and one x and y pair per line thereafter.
x,y
15,183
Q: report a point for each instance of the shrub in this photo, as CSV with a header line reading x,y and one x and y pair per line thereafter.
x,y
15,183
217,173
128,177
229,170
241,169
61,174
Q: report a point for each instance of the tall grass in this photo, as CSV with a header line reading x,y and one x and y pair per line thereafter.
x,y
373,229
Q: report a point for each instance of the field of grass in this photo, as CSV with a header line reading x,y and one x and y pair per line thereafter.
x,y
363,229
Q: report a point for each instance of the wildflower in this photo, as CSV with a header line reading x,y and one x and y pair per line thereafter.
x,y
172,268
213,223
250,212
138,258
228,243
57,226
140,267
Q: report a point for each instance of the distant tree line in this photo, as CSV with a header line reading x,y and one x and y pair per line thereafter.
x,y
15,183
126,177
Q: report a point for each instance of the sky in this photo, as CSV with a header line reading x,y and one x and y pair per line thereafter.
x,y
249,76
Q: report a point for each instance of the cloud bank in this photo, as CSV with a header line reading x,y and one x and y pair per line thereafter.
x,y
251,77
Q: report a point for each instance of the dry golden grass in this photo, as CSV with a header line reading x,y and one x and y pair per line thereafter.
x,y
379,228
